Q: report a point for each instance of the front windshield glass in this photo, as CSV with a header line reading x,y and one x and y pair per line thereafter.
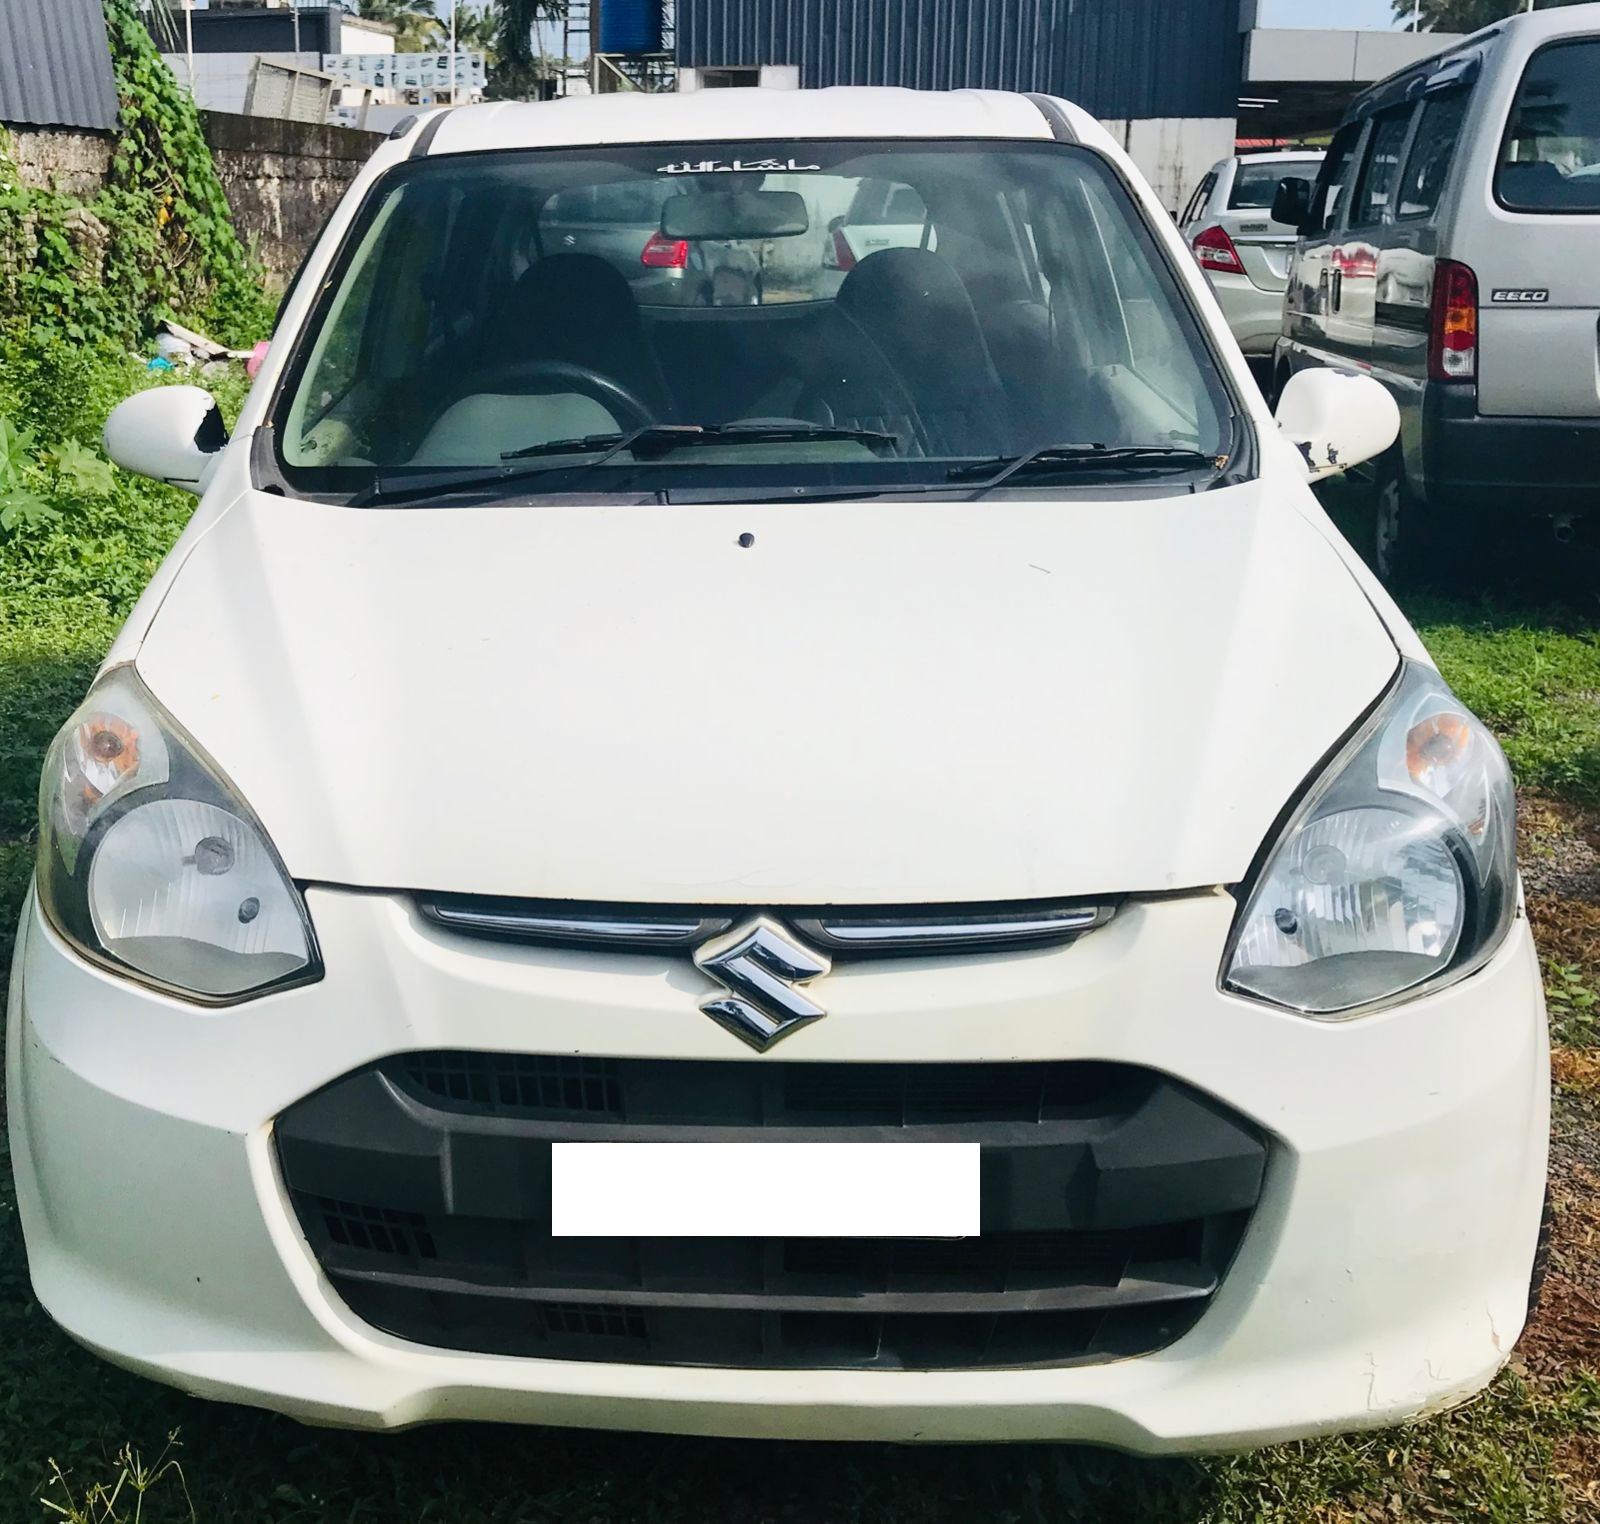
x,y
853,313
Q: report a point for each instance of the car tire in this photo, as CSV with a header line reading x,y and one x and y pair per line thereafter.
x,y
1400,538
1541,1255
1279,379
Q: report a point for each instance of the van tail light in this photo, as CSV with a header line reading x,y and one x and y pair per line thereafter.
x,y
1215,251
663,253
843,255
1453,331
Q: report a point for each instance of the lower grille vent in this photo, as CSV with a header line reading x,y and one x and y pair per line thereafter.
x,y
374,1230
513,1084
561,1321
1113,1200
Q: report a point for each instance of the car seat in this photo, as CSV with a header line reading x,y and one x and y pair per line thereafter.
x,y
904,353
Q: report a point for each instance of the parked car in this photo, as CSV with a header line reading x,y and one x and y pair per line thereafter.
x,y
882,215
1245,253
621,223
1451,247
570,723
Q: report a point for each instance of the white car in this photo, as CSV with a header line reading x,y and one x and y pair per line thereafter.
x,y
1245,253
919,754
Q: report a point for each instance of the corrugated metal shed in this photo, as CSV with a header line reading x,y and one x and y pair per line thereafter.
x,y
1116,58
55,65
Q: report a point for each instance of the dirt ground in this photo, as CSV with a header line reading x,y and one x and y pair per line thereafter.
x,y
1561,872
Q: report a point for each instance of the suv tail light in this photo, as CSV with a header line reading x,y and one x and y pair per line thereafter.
x,y
1453,331
843,255
663,253
1215,251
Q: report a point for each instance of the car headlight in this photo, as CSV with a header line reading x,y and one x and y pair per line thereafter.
x,y
151,864
1396,873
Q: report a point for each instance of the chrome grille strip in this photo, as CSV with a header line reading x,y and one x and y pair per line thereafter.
x,y
929,930
931,934
622,930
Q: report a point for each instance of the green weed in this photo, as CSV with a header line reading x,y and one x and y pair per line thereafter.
x,y
122,1499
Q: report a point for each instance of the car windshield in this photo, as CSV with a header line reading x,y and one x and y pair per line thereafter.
x,y
1255,185
846,315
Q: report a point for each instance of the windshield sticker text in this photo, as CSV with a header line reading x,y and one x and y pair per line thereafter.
x,y
738,167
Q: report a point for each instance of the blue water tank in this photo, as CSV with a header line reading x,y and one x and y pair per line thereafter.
x,y
630,26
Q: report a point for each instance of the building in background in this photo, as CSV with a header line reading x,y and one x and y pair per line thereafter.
x,y
306,62
1163,75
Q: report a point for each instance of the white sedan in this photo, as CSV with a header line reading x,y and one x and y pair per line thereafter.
x,y
869,866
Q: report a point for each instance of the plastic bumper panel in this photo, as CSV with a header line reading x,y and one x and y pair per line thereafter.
x,y
1515,467
1383,1273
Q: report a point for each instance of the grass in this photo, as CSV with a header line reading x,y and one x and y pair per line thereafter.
x,y
83,1442
1534,677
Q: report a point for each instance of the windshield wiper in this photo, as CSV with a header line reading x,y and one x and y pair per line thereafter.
x,y
1078,456
656,438
661,437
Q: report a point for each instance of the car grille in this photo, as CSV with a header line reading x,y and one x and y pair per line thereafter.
x,y
1113,1198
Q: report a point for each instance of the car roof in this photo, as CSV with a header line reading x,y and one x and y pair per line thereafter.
x,y
742,114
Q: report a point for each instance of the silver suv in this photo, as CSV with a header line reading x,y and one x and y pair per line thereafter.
x,y
1451,246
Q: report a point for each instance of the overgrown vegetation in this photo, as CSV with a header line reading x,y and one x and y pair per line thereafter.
x,y
157,241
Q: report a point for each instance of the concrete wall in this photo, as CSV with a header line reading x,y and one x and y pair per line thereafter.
x,y
1174,152
283,179
48,158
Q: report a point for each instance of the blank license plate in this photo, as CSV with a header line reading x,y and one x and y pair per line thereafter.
x,y
764,1190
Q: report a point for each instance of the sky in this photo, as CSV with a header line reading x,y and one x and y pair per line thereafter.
x,y
1338,15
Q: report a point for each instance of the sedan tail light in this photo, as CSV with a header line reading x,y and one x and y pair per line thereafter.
x,y
663,253
1215,251
1453,331
844,257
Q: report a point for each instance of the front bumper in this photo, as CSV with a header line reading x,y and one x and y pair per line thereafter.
x,y
1384,1273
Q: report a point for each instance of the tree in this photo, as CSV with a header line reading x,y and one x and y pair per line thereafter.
x,y
520,65
416,22
477,31
1464,15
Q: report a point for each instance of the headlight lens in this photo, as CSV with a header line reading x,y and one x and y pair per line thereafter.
x,y
150,862
1397,872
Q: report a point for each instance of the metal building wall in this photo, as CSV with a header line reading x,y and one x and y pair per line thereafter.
x,y
1116,58
261,31
55,65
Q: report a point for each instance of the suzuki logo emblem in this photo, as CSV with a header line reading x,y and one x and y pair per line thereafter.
x,y
762,967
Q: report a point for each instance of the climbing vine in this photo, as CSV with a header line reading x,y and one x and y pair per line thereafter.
x,y
158,240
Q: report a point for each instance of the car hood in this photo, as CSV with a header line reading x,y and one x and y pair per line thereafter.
x,y
871,703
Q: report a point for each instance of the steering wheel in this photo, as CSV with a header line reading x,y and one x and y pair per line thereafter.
x,y
535,377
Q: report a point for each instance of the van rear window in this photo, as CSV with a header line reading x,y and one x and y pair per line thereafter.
x,y
1550,161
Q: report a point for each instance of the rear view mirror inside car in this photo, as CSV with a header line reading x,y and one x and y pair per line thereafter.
x,y
736,214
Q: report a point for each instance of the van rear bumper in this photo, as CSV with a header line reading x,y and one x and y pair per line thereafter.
x,y
1512,467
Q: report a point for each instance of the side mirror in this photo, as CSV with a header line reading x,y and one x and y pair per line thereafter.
x,y
1337,419
1291,202
170,433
